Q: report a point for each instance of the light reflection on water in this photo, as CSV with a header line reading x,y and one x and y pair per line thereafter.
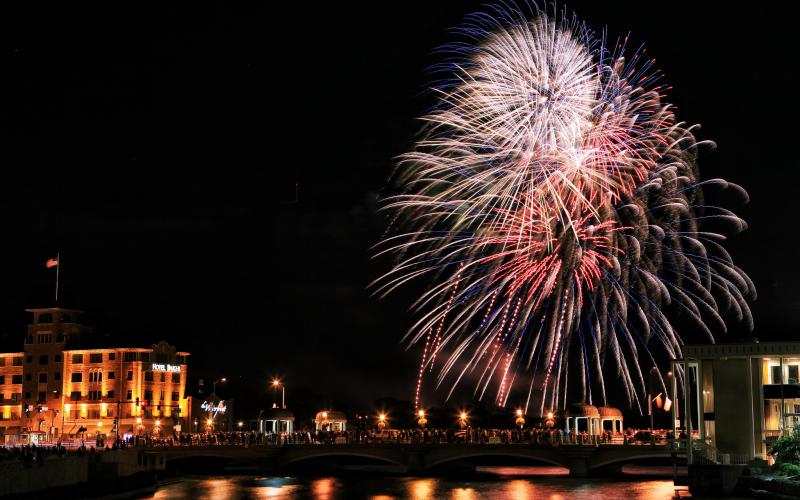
x,y
385,488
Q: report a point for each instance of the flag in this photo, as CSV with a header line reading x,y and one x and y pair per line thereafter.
x,y
51,263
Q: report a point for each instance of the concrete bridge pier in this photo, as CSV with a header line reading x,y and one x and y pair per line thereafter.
x,y
415,461
609,470
577,460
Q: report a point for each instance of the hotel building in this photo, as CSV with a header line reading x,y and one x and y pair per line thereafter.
x,y
64,386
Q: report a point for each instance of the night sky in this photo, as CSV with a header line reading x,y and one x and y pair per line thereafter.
x,y
211,175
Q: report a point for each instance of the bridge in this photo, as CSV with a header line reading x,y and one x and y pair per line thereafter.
x,y
581,460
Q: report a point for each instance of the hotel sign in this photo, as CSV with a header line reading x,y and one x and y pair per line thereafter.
x,y
165,367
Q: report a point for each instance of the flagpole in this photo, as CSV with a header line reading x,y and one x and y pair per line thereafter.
x,y
58,270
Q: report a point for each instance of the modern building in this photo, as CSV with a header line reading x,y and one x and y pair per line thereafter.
x,y
740,396
63,385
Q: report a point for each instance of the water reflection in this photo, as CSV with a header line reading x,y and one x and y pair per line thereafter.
x,y
464,494
421,489
323,488
396,488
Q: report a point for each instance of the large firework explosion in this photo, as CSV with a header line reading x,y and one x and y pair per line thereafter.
x,y
553,204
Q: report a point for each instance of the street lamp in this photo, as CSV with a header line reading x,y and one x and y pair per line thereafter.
x,y
214,385
277,383
462,419
211,412
382,421
421,420
520,421
549,422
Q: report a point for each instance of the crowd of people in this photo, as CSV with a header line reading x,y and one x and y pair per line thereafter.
x,y
468,435
31,454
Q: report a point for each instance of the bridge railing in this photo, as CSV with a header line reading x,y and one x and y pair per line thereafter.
x,y
705,453
437,439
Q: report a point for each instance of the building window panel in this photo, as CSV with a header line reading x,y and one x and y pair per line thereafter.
x,y
43,378
77,359
794,373
77,377
96,358
776,374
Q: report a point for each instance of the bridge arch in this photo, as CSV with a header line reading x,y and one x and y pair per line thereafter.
x,y
527,455
616,459
293,458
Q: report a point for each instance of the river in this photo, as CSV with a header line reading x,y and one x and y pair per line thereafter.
x,y
508,483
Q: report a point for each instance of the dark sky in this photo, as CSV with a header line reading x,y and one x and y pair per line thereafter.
x,y
158,150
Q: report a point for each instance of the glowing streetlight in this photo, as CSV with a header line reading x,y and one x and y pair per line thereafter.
x,y
421,420
520,421
214,385
549,422
382,421
277,383
462,419
240,424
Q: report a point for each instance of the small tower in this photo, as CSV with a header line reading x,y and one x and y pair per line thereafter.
x,y
48,333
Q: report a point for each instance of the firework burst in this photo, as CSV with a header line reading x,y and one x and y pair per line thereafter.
x,y
552,204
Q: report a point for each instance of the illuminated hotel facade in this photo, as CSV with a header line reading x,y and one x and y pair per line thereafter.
x,y
60,387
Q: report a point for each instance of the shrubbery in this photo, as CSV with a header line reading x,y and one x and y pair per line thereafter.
x,y
787,469
786,450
